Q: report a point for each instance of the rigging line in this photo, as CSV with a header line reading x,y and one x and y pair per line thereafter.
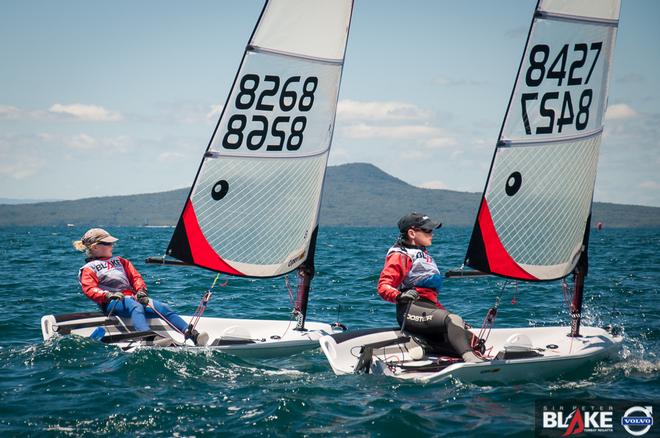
x,y
216,280
288,325
161,316
201,307
288,287
291,303
118,318
486,327
567,294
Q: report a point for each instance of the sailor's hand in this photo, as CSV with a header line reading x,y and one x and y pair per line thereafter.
x,y
407,296
109,296
142,297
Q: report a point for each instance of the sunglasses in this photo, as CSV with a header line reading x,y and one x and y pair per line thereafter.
x,y
105,243
423,231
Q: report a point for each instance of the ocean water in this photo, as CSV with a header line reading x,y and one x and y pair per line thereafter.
x,y
77,387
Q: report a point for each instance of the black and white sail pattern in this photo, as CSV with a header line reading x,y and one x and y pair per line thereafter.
x,y
254,205
537,201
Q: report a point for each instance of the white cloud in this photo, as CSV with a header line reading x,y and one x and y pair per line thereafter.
x,y
81,142
21,167
440,142
214,112
86,112
363,131
619,111
191,113
19,162
436,184
85,142
170,156
414,154
381,111
9,112
649,185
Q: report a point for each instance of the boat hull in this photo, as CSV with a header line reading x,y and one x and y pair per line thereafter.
x,y
549,353
240,337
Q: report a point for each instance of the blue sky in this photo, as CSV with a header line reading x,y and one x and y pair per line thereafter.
x,y
110,98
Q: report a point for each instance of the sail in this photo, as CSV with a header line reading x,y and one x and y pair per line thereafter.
x,y
254,204
536,204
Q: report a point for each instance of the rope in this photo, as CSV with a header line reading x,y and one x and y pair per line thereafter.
x,y
118,318
201,307
486,327
161,316
568,294
288,287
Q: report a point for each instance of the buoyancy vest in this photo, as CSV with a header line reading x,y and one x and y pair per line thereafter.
x,y
111,274
423,265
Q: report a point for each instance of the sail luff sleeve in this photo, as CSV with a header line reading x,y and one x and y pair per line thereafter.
x,y
255,201
540,185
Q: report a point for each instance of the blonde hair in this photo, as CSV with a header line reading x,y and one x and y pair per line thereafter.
x,y
79,246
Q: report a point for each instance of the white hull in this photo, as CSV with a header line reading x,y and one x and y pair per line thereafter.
x,y
552,353
240,337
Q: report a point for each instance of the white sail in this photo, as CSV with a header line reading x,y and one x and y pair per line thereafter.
x,y
537,201
253,208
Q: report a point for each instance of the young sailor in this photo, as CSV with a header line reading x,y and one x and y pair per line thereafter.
x,y
118,288
411,279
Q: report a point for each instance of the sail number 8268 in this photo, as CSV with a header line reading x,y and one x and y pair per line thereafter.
x,y
285,130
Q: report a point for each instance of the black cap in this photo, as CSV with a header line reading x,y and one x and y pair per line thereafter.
x,y
417,220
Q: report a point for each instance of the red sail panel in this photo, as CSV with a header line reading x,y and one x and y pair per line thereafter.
x,y
202,253
499,260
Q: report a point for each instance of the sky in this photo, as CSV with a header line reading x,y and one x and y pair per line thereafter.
x,y
115,98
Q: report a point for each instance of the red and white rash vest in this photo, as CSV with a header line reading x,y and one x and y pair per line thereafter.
x,y
113,274
404,266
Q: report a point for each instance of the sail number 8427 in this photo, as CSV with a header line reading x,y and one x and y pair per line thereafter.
x,y
574,110
284,130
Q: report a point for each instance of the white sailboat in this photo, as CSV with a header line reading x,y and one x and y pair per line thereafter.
x,y
533,221
254,205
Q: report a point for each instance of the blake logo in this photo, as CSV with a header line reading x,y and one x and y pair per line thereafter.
x,y
638,425
575,420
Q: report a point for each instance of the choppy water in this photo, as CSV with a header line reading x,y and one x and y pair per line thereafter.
x,y
75,386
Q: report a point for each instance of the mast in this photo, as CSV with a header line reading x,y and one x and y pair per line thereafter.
x,y
306,270
305,275
579,275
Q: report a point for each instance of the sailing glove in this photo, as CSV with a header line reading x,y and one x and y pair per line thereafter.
x,y
407,296
109,296
142,297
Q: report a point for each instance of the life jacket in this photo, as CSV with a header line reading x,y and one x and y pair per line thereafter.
x,y
423,265
110,272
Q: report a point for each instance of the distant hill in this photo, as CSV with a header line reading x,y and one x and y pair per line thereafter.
x,y
355,194
14,201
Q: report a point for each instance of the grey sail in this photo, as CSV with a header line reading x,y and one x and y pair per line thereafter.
x,y
253,209
536,205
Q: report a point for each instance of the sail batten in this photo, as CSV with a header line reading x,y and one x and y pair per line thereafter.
x,y
258,49
537,201
255,200
577,18
533,142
